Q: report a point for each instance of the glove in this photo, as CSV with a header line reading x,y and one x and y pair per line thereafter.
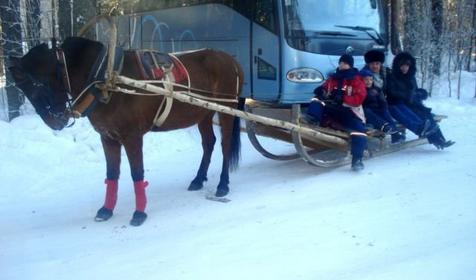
x,y
338,96
319,92
422,93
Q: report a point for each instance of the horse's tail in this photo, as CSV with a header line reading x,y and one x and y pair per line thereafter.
x,y
235,150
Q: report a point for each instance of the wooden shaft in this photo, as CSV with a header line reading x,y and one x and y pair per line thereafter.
x,y
178,95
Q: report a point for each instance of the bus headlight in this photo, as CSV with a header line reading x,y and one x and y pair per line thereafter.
x,y
305,75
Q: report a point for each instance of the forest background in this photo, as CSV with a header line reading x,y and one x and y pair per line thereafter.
x,y
440,33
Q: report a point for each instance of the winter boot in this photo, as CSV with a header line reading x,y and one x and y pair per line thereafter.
x,y
357,164
442,144
447,144
389,129
398,138
439,140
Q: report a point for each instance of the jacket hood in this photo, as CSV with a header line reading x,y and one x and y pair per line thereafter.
x,y
403,58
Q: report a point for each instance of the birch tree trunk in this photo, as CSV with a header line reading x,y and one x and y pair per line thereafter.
x,y
12,36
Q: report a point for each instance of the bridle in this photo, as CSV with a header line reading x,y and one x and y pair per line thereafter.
x,y
62,76
95,77
61,63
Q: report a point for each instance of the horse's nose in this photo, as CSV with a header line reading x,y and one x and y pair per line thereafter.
x,y
56,122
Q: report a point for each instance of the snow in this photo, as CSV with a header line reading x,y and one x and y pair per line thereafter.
x,y
408,215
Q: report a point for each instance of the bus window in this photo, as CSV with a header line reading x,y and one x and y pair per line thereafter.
x,y
150,5
326,26
264,15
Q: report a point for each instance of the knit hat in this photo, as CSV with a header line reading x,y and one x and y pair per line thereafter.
x,y
366,73
348,59
374,56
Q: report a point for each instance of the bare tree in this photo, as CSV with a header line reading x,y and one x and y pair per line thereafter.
x,y
440,33
11,39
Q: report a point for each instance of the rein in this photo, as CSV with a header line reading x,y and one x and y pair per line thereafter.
x,y
62,60
231,100
88,97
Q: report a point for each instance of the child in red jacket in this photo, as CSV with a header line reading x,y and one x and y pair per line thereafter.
x,y
341,97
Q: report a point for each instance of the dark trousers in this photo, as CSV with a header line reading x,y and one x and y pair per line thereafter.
x,y
349,120
378,117
407,117
425,113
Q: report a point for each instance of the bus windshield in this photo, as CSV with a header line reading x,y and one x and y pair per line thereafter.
x,y
306,21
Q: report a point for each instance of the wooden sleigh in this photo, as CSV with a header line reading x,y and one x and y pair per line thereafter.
x,y
316,151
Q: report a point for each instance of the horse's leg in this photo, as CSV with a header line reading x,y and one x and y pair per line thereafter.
x,y
133,147
208,142
230,143
112,151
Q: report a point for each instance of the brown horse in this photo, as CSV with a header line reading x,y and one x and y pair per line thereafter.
x,y
125,119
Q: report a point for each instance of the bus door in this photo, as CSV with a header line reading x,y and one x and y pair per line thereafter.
x,y
265,51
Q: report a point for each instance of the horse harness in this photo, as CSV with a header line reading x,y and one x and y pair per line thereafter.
x,y
167,70
163,68
93,93
154,67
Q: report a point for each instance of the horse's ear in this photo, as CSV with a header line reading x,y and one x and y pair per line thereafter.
x,y
14,65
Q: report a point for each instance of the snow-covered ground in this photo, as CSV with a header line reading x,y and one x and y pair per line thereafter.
x,y
408,215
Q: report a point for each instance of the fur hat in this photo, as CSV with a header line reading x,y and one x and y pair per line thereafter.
x,y
374,56
348,59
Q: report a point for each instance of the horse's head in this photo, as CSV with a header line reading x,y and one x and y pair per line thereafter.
x,y
38,74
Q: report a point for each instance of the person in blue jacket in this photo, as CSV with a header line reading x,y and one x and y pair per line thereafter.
x,y
376,109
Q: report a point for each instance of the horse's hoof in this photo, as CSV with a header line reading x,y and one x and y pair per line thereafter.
x,y
103,214
195,186
138,218
221,192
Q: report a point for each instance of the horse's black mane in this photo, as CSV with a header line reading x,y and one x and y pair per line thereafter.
x,y
36,57
75,46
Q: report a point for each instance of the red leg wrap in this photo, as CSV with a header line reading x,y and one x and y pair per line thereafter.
x,y
141,199
111,194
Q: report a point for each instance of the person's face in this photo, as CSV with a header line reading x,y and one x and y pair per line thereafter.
x,y
368,81
404,68
375,66
344,66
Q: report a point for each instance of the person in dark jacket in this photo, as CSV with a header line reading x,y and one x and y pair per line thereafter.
x,y
374,61
376,109
403,89
341,97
